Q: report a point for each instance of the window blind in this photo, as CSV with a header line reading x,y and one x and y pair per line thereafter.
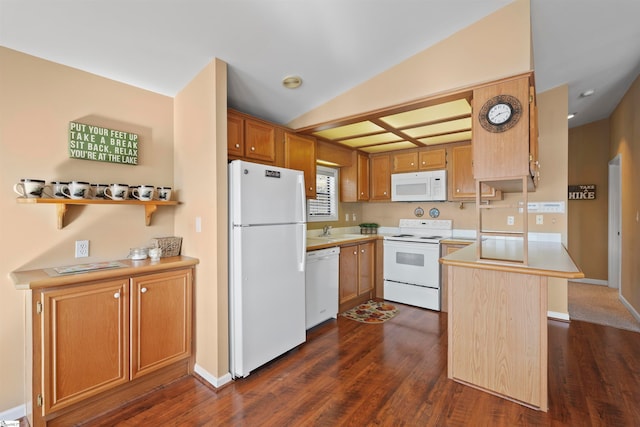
x,y
324,207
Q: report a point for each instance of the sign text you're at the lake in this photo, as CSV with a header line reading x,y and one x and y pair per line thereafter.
x,y
97,143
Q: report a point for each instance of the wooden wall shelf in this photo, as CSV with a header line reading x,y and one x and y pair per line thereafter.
x,y
61,205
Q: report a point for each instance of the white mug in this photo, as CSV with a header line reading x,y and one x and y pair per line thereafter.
x,y
163,194
57,188
143,192
97,191
117,191
77,190
29,188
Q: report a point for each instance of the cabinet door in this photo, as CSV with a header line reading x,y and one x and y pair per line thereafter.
x,y
363,177
161,320
405,162
85,341
432,159
381,177
235,135
300,154
463,185
366,267
348,273
260,141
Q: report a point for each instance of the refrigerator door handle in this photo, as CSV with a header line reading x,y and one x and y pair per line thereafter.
x,y
303,249
303,197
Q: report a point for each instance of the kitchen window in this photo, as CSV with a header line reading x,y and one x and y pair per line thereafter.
x,y
325,206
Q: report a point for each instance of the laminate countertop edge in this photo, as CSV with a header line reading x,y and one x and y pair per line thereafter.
x,y
39,278
545,259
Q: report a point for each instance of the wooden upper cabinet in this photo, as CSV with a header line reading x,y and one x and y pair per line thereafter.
x,y
235,135
161,320
260,141
300,154
250,139
405,162
425,159
500,153
462,185
354,179
85,342
432,159
380,177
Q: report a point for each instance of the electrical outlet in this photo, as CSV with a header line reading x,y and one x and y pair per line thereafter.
x,y
539,219
510,220
82,248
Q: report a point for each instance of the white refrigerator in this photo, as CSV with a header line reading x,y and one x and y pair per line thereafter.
x,y
267,249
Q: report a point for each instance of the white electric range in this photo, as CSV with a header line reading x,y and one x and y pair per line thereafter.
x,y
411,268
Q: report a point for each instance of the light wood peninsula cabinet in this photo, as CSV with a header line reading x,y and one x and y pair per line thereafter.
x,y
357,274
300,154
96,340
380,177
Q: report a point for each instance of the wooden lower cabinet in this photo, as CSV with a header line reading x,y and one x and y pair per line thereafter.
x,y
97,345
357,274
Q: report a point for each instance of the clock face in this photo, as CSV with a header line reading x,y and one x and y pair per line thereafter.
x,y
434,213
500,113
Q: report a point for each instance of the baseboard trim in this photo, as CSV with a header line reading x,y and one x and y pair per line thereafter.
x,y
629,307
591,281
211,379
555,315
14,414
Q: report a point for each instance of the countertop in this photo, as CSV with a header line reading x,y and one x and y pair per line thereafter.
x,y
315,243
545,258
46,277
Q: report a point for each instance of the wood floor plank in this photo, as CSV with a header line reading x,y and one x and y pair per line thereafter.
x,y
395,374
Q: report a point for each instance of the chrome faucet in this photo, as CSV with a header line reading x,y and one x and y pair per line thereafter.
x,y
326,230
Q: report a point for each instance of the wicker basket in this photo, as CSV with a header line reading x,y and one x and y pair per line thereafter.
x,y
170,245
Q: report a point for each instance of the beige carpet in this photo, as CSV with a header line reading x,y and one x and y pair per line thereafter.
x,y
599,304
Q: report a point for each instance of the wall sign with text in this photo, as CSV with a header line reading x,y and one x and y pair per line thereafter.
x,y
90,142
582,192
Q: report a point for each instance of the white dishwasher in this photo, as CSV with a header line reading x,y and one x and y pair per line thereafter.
x,y
322,277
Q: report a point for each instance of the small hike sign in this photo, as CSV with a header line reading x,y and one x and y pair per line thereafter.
x,y
90,142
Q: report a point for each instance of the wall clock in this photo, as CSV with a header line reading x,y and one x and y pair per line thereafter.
x,y
434,213
500,113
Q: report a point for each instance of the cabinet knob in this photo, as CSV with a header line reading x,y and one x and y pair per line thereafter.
x,y
457,190
143,290
310,188
355,252
116,295
253,148
237,145
385,193
424,163
412,164
362,250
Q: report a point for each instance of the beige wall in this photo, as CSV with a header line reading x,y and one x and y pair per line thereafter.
x,y
38,100
588,159
625,140
201,172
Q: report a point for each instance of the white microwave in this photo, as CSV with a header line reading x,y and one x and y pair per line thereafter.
x,y
429,186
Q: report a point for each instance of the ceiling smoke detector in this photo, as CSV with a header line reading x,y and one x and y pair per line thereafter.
x,y
587,93
292,82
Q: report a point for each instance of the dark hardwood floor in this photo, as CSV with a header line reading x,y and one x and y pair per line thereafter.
x,y
395,374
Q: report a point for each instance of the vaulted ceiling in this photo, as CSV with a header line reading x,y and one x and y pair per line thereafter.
x,y
333,44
